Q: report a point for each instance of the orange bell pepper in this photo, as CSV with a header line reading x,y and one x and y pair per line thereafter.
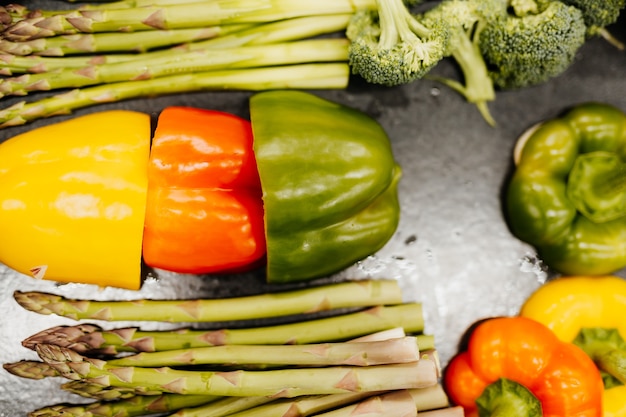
x,y
204,207
515,366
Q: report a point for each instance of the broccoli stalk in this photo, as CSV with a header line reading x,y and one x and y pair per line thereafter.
x,y
598,15
524,48
465,20
389,46
478,88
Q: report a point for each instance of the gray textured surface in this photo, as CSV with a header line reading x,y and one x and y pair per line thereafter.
x,y
452,251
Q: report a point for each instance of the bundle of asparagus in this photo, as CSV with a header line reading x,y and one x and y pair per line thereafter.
x,y
368,355
124,49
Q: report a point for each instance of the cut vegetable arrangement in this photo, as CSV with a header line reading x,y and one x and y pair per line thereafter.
x,y
307,188
385,363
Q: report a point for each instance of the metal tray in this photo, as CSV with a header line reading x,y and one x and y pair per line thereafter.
x,y
452,251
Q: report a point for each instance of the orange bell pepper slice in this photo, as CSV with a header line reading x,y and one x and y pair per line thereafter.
x,y
204,205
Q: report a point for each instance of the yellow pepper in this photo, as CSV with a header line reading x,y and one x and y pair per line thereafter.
x,y
614,402
588,311
79,197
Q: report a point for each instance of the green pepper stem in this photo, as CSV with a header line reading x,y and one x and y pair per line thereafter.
x,y
505,398
597,186
613,362
612,182
606,348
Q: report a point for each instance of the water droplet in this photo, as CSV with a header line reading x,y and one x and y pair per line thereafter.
x,y
532,264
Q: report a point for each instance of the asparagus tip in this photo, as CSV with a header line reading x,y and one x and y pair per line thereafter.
x,y
30,369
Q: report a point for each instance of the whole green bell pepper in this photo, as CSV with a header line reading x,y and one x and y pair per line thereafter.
x,y
329,184
567,196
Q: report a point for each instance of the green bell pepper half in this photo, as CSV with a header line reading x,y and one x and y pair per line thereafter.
x,y
329,183
567,196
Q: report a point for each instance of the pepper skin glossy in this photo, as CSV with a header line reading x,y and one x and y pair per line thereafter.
x,y
73,199
329,183
516,366
567,305
204,211
567,196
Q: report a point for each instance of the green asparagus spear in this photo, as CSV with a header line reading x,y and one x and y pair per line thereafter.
x,y
9,15
234,405
139,405
313,299
274,32
277,383
397,403
283,30
92,340
31,369
100,392
303,76
428,398
12,13
223,36
127,4
177,16
34,64
165,17
397,350
225,407
295,407
134,42
417,399
420,399
316,50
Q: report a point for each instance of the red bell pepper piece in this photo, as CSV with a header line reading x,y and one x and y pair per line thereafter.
x,y
204,205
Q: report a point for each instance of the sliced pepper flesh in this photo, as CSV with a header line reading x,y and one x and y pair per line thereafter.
x,y
329,183
567,196
204,210
73,199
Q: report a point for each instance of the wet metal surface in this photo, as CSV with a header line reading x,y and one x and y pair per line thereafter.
x,y
453,251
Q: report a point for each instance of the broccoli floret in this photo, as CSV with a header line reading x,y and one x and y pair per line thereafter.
x,y
530,49
388,46
598,15
465,20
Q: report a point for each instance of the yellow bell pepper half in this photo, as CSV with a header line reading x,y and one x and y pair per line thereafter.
x,y
568,304
74,193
